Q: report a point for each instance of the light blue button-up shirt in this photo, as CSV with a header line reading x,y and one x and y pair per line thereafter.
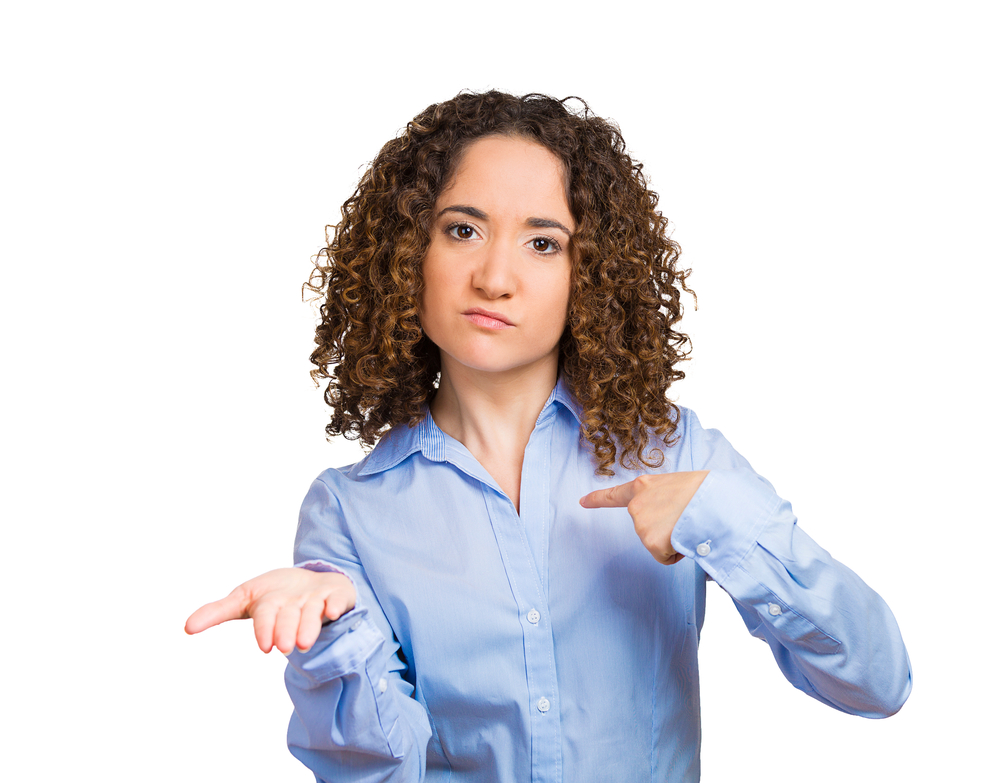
x,y
550,646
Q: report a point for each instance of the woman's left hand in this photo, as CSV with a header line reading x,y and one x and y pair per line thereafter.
x,y
655,503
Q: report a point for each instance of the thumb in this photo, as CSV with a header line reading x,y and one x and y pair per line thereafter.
x,y
232,607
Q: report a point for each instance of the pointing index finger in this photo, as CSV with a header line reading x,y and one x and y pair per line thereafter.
x,y
612,497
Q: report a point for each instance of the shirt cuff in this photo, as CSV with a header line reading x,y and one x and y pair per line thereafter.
x,y
722,521
342,647
323,567
320,567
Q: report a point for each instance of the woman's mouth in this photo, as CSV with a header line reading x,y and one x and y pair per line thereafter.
x,y
487,319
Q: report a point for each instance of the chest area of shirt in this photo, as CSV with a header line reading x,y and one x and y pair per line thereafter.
x,y
449,552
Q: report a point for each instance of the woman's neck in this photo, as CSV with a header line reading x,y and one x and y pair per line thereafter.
x,y
493,415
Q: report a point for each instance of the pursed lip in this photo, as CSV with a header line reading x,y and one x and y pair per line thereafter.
x,y
488,314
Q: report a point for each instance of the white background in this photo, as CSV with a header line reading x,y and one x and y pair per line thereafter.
x,y
830,171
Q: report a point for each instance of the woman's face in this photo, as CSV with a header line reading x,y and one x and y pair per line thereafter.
x,y
497,272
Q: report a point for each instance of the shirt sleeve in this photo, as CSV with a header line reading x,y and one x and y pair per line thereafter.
x,y
355,717
832,636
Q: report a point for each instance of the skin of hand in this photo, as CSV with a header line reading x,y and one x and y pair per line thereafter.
x,y
287,606
655,503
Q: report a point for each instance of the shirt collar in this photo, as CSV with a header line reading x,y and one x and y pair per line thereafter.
x,y
402,440
562,394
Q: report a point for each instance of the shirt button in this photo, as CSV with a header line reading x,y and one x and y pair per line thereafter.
x,y
774,609
382,685
534,617
543,704
703,549
355,625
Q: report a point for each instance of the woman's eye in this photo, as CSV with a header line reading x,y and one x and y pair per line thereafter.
x,y
462,231
543,245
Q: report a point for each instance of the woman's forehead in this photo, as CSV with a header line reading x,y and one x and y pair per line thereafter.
x,y
509,171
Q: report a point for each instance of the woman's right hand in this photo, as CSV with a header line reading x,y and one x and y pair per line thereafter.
x,y
287,605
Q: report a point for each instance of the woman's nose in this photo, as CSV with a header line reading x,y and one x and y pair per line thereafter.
x,y
495,275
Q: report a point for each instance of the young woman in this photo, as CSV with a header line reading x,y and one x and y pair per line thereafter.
x,y
511,585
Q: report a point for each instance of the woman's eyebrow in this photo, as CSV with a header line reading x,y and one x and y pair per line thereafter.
x,y
470,211
546,223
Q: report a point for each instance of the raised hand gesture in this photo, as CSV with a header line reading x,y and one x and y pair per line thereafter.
x,y
287,606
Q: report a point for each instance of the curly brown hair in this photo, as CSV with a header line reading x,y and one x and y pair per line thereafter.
x,y
619,352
